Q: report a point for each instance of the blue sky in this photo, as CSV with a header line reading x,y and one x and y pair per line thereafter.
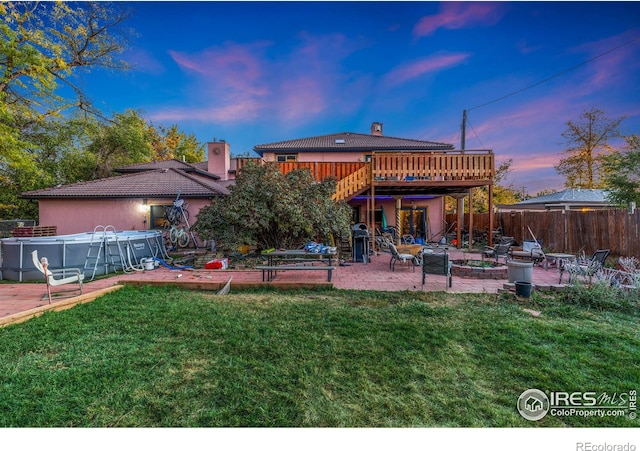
x,y
258,72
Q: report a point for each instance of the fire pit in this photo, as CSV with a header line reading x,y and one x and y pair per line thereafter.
x,y
479,269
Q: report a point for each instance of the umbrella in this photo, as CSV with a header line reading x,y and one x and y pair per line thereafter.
x,y
384,218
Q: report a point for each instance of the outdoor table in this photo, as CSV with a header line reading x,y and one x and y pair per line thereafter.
x,y
557,258
275,258
413,249
560,260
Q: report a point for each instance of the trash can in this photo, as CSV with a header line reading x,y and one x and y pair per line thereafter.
x,y
519,270
523,289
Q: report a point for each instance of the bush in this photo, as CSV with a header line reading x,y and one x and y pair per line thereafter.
x,y
270,210
602,296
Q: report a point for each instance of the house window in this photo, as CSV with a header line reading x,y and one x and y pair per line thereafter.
x,y
286,158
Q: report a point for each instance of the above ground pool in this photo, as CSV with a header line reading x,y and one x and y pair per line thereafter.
x,y
102,251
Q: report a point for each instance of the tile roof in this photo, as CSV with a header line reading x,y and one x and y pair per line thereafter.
x,y
347,141
168,164
151,183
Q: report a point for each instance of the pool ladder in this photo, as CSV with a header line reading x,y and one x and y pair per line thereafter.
x,y
111,257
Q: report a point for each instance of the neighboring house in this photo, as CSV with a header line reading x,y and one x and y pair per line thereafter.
x,y
137,199
399,183
570,199
396,183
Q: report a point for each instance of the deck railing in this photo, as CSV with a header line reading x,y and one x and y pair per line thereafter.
x,y
477,165
322,170
353,184
433,166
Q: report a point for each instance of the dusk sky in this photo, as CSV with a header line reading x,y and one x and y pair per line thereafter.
x,y
259,72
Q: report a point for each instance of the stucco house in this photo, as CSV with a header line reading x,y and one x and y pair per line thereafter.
x,y
391,182
137,199
395,182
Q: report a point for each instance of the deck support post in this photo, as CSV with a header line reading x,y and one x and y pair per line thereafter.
x,y
491,215
460,210
398,224
470,219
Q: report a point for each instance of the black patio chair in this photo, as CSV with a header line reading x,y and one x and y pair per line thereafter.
x,y
499,250
436,262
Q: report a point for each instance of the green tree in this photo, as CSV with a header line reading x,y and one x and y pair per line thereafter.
x,y
171,142
42,47
268,209
124,140
502,194
587,139
622,173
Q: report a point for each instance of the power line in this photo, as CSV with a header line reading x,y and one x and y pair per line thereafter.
x,y
556,75
474,132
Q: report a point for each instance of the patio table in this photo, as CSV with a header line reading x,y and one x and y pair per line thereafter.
x,y
413,249
560,261
557,258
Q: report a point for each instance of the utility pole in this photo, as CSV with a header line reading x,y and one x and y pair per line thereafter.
x,y
460,206
464,129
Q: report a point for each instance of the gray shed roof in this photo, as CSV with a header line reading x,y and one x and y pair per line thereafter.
x,y
571,195
576,197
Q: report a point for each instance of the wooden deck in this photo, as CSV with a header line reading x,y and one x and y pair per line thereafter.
x,y
403,172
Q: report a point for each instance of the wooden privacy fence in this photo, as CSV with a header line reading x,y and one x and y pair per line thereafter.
x,y
573,230
570,231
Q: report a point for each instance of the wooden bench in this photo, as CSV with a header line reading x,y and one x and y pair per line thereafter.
x,y
271,270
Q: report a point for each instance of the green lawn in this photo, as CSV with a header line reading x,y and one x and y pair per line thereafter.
x,y
169,357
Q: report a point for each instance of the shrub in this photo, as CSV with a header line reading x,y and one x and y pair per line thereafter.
x,y
602,295
268,209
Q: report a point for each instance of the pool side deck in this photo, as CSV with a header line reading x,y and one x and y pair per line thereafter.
x,y
21,301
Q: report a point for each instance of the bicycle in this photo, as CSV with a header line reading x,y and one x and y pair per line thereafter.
x,y
178,212
178,236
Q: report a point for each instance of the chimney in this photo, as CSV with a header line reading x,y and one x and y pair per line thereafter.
x,y
219,159
376,128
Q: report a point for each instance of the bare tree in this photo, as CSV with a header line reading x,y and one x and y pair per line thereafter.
x,y
587,139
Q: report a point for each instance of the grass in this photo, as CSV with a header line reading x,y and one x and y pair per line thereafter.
x,y
164,357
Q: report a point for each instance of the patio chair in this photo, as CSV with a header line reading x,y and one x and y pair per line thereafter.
x,y
56,277
584,267
437,262
531,250
404,258
501,249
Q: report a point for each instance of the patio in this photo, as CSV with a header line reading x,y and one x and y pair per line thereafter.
x,y
25,300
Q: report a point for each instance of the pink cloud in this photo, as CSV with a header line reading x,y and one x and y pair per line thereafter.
x,y
228,113
234,66
612,59
456,15
409,71
301,98
236,82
